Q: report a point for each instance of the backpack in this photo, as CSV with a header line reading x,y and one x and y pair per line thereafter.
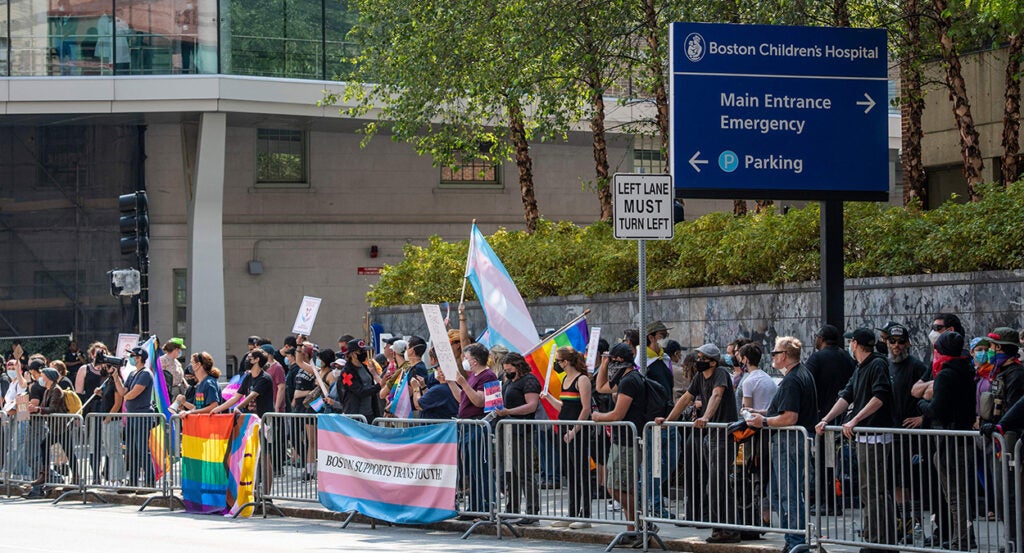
x,y
657,401
72,402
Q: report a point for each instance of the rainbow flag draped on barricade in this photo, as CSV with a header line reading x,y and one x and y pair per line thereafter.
x,y
218,462
399,475
574,334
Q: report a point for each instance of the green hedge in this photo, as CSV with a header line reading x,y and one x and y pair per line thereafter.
x,y
561,259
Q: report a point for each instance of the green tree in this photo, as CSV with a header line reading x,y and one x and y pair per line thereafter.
x,y
461,81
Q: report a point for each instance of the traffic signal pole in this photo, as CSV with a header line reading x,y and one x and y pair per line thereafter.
x,y
134,225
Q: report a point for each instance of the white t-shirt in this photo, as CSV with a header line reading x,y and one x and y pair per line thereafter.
x,y
12,392
760,388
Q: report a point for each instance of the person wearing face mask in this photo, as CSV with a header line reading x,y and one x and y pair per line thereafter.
x,y
658,364
713,383
795,404
359,386
431,397
256,391
869,392
521,398
730,363
944,322
470,390
618,375
52,402
111,450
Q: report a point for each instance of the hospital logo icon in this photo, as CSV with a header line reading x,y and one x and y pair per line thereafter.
x,y
695,47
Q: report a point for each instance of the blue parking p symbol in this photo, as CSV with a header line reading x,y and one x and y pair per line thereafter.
x,y
728,161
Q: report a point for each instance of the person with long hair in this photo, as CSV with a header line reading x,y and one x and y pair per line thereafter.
x,y
207,391
521,399
574,404
306,389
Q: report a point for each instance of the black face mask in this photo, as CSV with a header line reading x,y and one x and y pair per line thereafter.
x,y
703,365
361,356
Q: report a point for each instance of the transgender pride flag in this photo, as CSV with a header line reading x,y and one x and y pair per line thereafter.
x,y
508,321
398,475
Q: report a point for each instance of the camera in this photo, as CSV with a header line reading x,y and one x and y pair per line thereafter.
x,y
104,359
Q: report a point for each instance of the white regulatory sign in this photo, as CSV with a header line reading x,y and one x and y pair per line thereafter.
x,y
643,206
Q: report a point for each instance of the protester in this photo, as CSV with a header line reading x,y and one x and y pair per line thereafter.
x,y
658,369
905,370
207,391
674,351
169,363
359,386
618,376
714,383
869,392
137,392
90,377
277,377
73,360
256,391
738,370
758,387
831,368
573,404
521,398
64,383
951,408
794,404
470,389
306,392
434,401
108,400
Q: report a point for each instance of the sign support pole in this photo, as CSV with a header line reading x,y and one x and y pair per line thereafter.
x,y
642,303
832,283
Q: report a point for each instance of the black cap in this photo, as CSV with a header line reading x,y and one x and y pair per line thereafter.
x,y
896,330
865,337
354,344
622,351
828,333
140,352
36,365
391,340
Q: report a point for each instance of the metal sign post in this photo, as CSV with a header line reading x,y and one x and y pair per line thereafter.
x,y
643,211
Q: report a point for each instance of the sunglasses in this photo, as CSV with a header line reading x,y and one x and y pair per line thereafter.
x,y
939,328
896,340
774,353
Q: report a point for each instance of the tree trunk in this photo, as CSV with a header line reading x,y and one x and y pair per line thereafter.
x,y
654,64
604,191
970,147
761,205
739,207
1011,110
912,108
841,13
525,164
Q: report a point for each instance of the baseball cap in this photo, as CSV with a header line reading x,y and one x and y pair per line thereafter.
x,y
622,351
896,330
712,351
180,343
354,345
863,336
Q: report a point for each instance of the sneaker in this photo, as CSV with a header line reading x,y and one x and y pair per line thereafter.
x,y
614,505
527,522
579,525
629,541
562,524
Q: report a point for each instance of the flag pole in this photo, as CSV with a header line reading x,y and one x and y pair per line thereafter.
x,y
559,331
469,254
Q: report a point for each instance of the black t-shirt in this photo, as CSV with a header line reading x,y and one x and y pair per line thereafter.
x,y
262,385
632,385
797,393
703,387
106,401
35,391
90,382
904,375
659,372
515,394
831,368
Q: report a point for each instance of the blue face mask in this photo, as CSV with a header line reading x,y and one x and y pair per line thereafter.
x,y
728,360
980,357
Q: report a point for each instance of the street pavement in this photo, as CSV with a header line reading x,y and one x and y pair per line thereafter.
x,y
39,527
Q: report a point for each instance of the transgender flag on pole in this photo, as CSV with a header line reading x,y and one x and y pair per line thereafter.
x,y
398,475
508,321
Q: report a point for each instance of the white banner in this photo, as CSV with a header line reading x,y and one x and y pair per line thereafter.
x,y
595,336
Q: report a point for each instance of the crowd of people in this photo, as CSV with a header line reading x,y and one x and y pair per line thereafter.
x,y
968,383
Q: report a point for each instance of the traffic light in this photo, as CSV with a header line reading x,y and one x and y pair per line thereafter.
x,y
134,210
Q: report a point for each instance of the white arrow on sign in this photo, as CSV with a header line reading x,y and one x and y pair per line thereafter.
x,y
696,163
870,103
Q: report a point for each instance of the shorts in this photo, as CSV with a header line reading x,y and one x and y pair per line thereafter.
x,y
621,468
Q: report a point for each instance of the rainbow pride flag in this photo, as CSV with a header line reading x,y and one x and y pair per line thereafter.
x,y
160,395
399,475
218,462
401,402
157,451
575,335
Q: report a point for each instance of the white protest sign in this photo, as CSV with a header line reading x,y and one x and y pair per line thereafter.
x,y
307,315
595,336
551,364
125,343
439,338
380,341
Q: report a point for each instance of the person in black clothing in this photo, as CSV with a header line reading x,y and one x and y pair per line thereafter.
x,y
905,370
869,391
108,429
73,360
573,405
794,404
831,367
431,396
714,383
521,394
359,385
952,408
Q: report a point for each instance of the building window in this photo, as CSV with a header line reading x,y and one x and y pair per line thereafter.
x,y
180,279
473,172
647,157
281,158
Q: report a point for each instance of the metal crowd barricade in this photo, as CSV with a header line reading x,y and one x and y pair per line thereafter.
x,y
5,436
475,498
41,453
581,449
916,490
1018,486
288,453
118,455
701,477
